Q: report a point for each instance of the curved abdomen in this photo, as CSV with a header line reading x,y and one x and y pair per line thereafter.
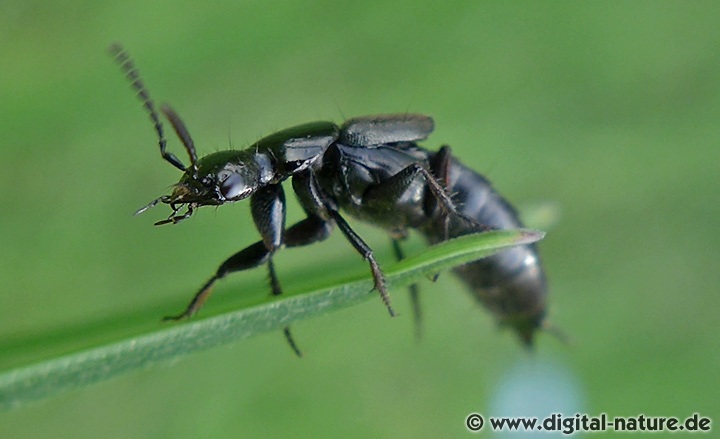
x,y
511,284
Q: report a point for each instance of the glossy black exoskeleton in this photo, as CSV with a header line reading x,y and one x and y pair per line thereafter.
x,y
372,169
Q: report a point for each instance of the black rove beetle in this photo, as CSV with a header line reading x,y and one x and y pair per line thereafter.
x,y
371,168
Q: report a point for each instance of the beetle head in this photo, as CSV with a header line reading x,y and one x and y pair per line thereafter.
x,y
218,178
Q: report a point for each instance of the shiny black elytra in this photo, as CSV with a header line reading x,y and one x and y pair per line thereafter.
x,y
371,168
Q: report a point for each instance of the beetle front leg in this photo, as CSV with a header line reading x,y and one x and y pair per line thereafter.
x,y
245,259
268,211
267,206
276,291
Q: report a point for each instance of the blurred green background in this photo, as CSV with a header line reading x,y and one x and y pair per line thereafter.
x,y
608,109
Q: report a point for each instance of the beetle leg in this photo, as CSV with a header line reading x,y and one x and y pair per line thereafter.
x,y
314,202
309,195
276,291
414,292
440,169
305,232
368,255
308,231
386,194
268,211
245,259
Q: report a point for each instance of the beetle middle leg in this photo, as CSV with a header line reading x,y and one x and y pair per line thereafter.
x,y
315,202
368,255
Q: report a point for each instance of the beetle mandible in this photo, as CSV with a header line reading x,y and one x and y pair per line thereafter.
x,y
371,168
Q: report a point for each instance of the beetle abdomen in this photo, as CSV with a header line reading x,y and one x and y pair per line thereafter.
x,y
511,284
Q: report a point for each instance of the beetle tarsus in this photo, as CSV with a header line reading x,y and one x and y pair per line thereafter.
x,y
379,283
197,302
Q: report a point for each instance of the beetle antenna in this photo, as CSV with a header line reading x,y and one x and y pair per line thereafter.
x,y
128,67
183,134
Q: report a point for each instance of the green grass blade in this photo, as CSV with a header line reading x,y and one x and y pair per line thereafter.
x,y
83,367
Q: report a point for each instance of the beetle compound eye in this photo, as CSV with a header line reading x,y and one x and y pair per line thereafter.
x,y
233,186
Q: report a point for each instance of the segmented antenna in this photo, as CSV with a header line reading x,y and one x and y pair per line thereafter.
x,y
128,66
183,134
